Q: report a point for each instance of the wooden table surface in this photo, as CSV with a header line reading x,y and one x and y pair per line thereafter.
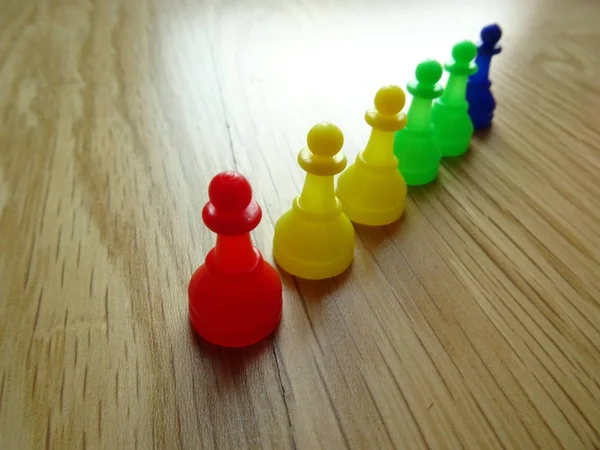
x,y
473,323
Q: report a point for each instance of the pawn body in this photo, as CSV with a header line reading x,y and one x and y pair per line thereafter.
x,y
314,239
372,190
452,125
372,195
481,103
415,146
313,246
235,297
479,95
418,154
235,310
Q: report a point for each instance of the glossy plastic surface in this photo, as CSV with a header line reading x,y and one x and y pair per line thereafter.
x,y
372,190
314,239
479,95
415,146
235,297
451,122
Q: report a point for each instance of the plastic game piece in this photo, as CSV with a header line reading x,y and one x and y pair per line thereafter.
x,y
451,122
415,146
372,190
315,239
479,95
235,296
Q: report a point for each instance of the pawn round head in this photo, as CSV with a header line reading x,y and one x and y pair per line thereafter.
x,y
230,191
464,52
390,100
491,34
429,72
325,139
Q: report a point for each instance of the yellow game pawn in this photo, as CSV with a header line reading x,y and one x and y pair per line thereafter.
x,y
372,190
314,239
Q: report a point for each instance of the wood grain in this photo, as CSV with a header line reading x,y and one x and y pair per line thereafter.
x,y
473,323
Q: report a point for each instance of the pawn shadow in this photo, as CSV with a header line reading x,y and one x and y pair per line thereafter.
x,y
314,291
484,134
231,363
454,162
479,140
375,236
420,194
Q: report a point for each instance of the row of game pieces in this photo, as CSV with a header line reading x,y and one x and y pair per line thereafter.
x,y
235,297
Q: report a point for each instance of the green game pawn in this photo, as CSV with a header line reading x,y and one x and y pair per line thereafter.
x,y
415,146
450,116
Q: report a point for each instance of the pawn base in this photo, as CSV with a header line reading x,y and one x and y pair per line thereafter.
x,y
235,310
481,118
310,270
454,149
452,127
370,217
372,195
481,103
418,155
313,247
420,178
483,125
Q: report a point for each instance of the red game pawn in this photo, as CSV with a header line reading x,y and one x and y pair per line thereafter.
x,y
235,296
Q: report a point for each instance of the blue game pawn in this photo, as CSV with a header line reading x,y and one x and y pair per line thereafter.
x,y
480,98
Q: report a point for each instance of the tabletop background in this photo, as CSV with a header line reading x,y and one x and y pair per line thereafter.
x,y
472,323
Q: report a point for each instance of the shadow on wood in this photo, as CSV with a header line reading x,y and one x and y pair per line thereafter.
x,y
231,363
314,291
374,237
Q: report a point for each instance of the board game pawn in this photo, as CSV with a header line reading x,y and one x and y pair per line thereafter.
x,y
235,297
372,190
479,95
315,239
451,122
415,145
